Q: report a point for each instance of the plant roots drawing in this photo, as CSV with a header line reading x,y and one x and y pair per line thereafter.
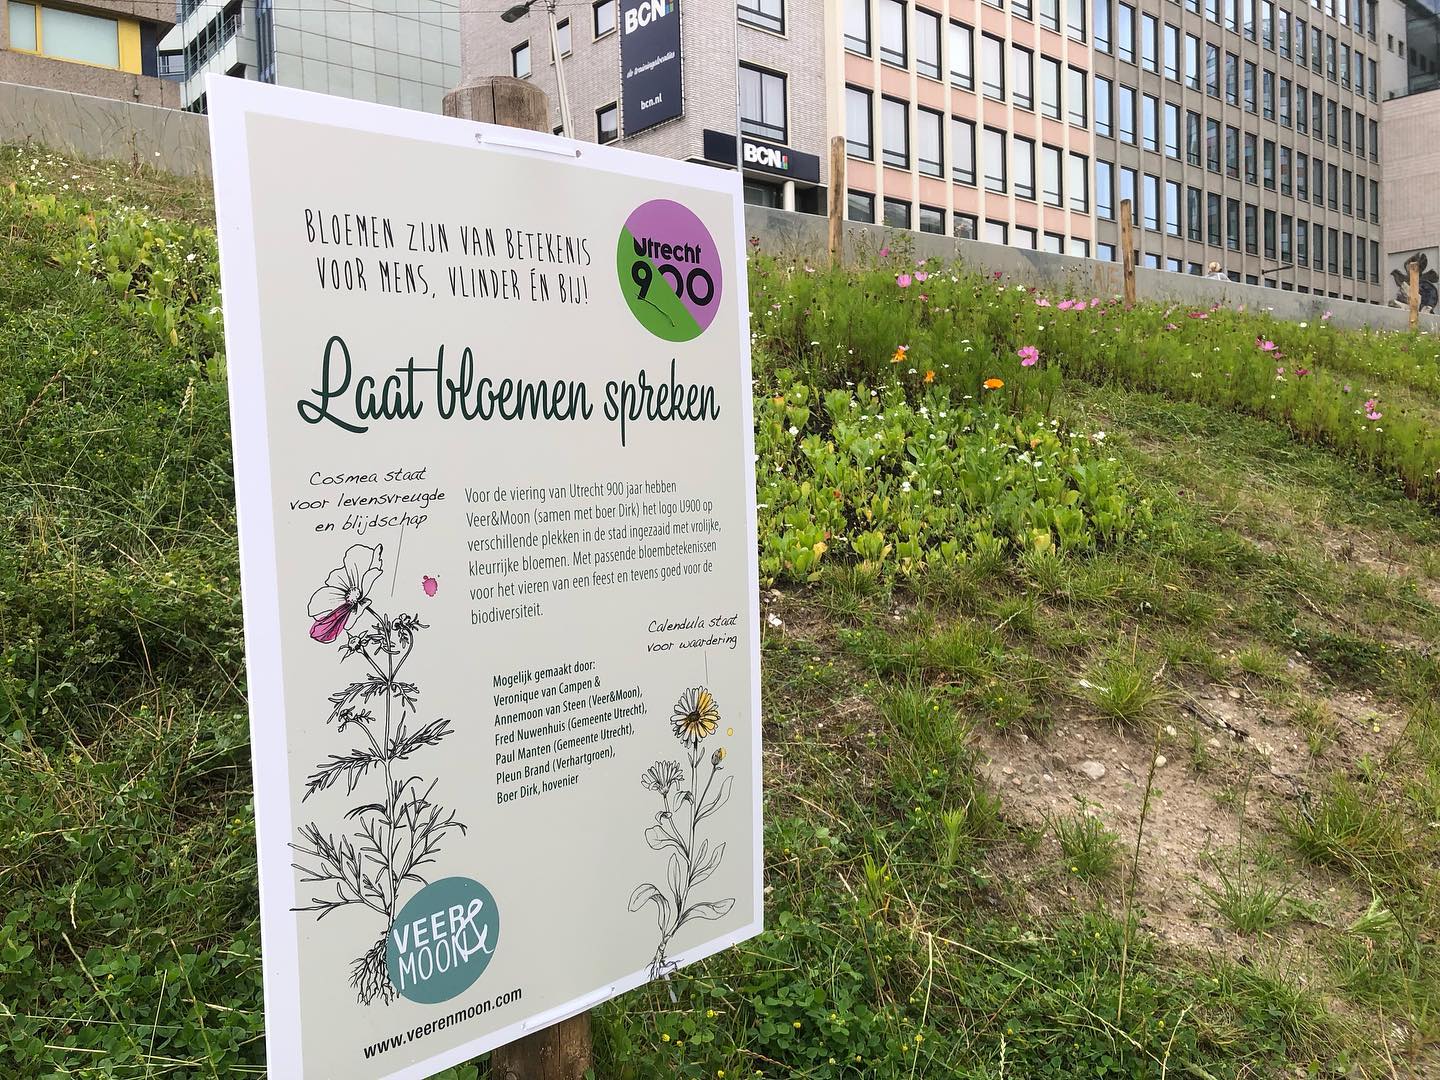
x,y
398,829
683,808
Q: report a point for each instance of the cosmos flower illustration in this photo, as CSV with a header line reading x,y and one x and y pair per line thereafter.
x,y
346,593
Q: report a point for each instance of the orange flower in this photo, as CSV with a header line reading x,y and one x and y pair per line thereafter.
x,y
900,352
929,376
993,384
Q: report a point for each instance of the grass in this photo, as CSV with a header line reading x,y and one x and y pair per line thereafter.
x,y
919,921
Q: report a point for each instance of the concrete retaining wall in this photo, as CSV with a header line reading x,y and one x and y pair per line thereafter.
x,y
105,129
804,236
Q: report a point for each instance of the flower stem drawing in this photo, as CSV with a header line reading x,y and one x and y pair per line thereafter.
x,y
398,829
677,825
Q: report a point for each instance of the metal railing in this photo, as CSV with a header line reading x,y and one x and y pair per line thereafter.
x,y
210,41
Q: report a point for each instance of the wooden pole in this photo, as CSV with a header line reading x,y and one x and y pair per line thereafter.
x,y
1127,251
1414,293
563,1051
837,201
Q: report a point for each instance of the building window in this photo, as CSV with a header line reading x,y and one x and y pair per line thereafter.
x,y
962,150
1172,130
1267,94
69,35
859,124
1286,229
1267,164
1076,19
996,232
1302,176
1285,103
1022,166
1025,237
1103,120
895,132
520,60
1232,152
1249,87
607,123
1150,122
1252,164
1078,97
1269,234
1125,31
992,67
1152,202
1104,252
1302,243
1050,88
1104,190
927,43
1127,114
1192,213
860,206
1192,61
857,34
766,14
1127,193
1022,77
1192,138
1172,52
1079,183
1100,18
995,174
962,56
1213,227
1285,173
892,33
1050,14
1232,224
1252,229
762,103
1232,78
1051,190
1149,42
1212,144
1212,70
897,213
929,128
932,220
1079,247
1054,243
562,36
964,226
604,13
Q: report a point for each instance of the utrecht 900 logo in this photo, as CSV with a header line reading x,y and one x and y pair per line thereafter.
x,y
669,270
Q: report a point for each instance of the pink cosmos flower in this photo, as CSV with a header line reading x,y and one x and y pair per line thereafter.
x,y
1171,326
1079,306
924,299
920,276
1041,301
1265,345
1301,372
1326,316
884,251
1029,356
903,280
1199,314
346,593
1066,305
1372,410
1347,388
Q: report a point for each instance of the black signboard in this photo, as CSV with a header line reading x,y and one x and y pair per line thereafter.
x,y
650,84
762,156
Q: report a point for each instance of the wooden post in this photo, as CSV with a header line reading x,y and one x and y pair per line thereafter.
x,y
1127,249
563,1051
837,201
1414,293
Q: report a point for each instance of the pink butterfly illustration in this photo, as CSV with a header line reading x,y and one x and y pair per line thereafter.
x,y
429,584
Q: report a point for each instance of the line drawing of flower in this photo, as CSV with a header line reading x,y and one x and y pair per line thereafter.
x,y
337,604
683,808
401,830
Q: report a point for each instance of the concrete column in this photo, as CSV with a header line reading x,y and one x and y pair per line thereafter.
x,y
787,197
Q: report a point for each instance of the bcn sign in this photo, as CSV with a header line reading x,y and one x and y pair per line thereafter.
x,y
646,13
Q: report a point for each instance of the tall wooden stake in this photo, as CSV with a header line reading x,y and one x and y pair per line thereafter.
x,y
1414,293
1127,251
837,200
563,1051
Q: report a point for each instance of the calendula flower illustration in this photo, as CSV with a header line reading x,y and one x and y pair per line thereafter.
x,y
346,593
695,715
661,777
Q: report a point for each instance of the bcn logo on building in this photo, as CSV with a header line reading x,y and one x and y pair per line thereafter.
x,y
771,157
647,12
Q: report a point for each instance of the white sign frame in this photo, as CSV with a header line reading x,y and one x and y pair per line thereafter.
x,y
230,102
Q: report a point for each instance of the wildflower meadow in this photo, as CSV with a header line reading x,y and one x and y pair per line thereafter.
x,y
1099,668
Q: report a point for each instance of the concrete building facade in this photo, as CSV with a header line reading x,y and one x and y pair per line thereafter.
x,y
103,48
1243,132
757,67
405,54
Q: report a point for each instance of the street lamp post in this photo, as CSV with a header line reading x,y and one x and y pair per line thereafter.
x,y
519,11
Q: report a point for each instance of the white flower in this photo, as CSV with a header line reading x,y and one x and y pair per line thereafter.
x,y
1099,436
794,430
905,486
774,620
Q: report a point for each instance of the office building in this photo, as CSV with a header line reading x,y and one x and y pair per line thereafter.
x,y
709,69
1410,133
405,54
105,48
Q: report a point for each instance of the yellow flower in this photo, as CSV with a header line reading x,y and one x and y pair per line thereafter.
x,y
929,376
709,1014
796,1025
665,1037
993,384
695,716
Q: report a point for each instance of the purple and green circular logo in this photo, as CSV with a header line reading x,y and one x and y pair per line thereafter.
x,y
669,270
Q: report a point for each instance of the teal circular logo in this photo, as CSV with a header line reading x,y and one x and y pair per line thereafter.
x,y
442,940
